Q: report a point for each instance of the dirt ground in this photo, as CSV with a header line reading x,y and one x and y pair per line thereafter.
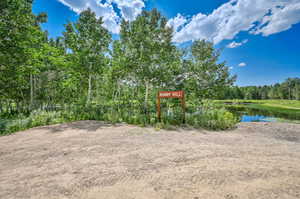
x,y
93,160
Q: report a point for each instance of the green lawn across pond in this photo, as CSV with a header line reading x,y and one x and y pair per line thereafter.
x,y
284,104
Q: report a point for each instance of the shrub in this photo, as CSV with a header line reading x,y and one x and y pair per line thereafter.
x,y
212,117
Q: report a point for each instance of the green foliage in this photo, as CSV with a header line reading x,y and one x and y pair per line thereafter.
x,y
147,43
202,75
20,41
89,41
146,53
211,116
85,76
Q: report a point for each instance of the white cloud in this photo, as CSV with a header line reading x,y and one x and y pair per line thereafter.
x,y
177,22
236,44
128,9
243,64
264,17
282,19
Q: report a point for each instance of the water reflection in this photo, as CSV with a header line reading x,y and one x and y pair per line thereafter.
x,y
257,118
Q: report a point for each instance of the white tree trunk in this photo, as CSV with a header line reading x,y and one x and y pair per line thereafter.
x,y
31,91
146,95
89,89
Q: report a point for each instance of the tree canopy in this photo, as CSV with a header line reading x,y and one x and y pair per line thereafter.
x,y
86,65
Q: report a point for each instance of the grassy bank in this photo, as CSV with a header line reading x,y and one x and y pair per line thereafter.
x,y
284,104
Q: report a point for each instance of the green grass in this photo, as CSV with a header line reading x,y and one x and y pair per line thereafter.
x,y
284,104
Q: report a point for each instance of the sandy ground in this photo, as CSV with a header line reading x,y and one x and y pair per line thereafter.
x,y
93,160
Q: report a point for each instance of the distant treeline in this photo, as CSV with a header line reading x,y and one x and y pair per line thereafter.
x,y
289,89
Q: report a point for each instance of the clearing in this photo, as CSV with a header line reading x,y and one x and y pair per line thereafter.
x,y
92,160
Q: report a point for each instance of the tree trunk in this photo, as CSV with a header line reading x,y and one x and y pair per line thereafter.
x,y
31,91
146,96
89,89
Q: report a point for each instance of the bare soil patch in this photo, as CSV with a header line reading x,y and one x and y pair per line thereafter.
x,y
92,160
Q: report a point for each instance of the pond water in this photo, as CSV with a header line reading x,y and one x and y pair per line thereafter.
x,y
257,115
258,118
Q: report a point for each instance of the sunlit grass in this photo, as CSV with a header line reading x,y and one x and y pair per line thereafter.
x,y
287,104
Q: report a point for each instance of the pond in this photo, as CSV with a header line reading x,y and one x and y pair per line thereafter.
x,y
248,114
258,118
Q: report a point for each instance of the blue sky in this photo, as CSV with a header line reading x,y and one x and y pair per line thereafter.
x,y
259,38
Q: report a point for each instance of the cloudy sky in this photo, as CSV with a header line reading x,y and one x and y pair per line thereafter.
x,y
259,38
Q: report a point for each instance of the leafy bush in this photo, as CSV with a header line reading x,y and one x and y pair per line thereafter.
x,y
212,116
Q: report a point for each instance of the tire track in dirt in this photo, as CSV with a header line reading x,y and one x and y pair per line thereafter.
x,y
91,159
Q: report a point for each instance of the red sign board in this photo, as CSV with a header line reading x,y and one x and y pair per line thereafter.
x,y
171,94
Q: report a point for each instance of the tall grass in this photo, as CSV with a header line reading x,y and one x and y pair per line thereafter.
x,y
208,116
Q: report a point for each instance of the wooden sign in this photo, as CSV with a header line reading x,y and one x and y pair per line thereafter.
x,y
170,94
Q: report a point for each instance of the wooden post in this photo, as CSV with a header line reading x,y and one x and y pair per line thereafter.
x,y
158,108
183,106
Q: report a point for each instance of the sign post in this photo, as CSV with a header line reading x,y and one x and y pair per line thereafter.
x,y
170,94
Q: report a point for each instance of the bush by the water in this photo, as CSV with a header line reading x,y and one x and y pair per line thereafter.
x,y
208,116
211,116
